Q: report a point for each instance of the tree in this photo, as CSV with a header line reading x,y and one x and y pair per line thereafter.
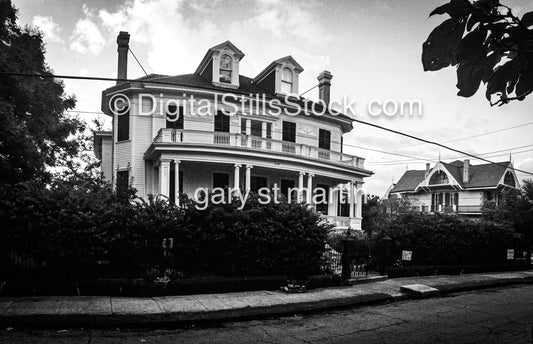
x,y
35,130
488,44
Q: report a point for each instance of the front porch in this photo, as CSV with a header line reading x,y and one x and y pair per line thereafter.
x,y
340,201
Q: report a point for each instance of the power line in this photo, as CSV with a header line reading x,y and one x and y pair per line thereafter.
x,y
309,90
449,158
436,144
131,51
473,136
49,75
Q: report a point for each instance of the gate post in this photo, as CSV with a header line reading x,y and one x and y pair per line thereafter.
x,y
348,248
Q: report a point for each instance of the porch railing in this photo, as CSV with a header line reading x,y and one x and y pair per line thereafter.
x,y
257,143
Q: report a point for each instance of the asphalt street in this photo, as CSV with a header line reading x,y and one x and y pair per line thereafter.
x,y
503,315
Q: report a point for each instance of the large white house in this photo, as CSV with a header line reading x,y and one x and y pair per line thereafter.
x,y
457,187
160,153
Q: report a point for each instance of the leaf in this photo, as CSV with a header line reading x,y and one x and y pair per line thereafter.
x,y
469,75
438,51
506,74
525,83
471,45
455,8
527,19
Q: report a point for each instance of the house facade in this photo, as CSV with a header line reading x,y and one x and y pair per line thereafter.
x,y
457,187
214,128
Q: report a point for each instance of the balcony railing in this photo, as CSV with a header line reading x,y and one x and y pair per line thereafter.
x,y
256,143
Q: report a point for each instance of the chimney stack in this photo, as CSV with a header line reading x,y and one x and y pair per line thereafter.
x,y
466,171
427,169
123,40
324,84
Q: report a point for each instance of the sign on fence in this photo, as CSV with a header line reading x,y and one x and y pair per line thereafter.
x,y
510,253
407,255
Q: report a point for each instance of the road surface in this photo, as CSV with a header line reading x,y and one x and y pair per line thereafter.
x,y
503,315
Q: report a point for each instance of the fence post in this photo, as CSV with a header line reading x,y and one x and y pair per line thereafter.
x,y
348,248
386,243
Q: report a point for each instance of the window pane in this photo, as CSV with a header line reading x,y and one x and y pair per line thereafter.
x,y
257,183
225,76
122,180
172,121
286,75
221,122
123,127
225,62
324,139
286,88
257,128
289,131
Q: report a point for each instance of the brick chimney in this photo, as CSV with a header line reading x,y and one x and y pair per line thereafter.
x,y
427,169
123,40
324,84
466,171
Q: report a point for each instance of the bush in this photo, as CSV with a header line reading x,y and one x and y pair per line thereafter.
x,y
448,240
88,232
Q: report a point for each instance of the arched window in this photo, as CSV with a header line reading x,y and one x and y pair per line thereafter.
x,y
509,179
438,178
286,81
226,67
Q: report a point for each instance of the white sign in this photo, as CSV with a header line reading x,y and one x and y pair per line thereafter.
x,y
510,253
407,255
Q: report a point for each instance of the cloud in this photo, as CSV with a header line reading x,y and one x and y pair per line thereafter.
x,y
86,37
49,28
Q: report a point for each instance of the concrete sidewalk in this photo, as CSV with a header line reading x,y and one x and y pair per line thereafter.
x,y
104,311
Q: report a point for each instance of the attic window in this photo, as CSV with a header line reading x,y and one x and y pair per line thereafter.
x,y
509,179
286,81
439,178
225,69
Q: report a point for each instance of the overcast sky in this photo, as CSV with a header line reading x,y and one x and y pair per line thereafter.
x,y
372,48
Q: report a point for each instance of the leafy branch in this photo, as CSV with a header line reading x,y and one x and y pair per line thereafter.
x,y
488,44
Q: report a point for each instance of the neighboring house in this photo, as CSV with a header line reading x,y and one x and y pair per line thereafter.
x,y
458,187
254,148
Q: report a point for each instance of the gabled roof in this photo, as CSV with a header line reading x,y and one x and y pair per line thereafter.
x,y
409,181
480,176
207,57
274,63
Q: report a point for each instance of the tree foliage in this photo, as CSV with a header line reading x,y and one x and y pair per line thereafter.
x,y
35,130
488,44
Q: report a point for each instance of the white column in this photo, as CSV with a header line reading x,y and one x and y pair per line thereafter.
x,y
164,177
248,180
300,187
310,188
177,182
249,132
351,198
236,178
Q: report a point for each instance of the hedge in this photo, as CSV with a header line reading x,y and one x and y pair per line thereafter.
x,y
93,233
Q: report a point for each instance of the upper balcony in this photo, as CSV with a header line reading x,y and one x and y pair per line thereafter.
x,y
256,143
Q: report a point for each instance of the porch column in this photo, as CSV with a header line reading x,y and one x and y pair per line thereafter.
x,y
351,199
248,180
310,188
300,186
249,132
263,134
236,178
164,177
177,182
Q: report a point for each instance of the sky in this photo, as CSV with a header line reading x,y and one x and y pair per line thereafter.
x,y
372,47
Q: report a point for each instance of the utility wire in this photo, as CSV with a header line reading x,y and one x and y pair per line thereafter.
x,y
131,51
309,90
49,75
473,136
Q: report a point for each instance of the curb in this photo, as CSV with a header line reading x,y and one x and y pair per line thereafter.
x,y
181,319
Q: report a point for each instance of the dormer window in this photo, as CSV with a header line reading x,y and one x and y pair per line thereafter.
x,y
226,64
286,81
